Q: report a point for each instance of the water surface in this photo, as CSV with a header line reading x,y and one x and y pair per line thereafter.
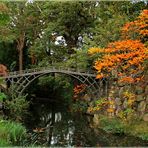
x,y
51,124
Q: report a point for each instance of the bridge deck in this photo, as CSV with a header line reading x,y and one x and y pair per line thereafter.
x,y
45,70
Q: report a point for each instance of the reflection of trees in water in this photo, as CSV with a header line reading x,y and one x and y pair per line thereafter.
x,y
62,131
49,127
83,134
53,123
60,128
116,140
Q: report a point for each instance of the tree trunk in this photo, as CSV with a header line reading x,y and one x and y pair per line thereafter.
x,y
20,46
20,60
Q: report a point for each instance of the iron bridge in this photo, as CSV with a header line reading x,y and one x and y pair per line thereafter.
x,y
20,80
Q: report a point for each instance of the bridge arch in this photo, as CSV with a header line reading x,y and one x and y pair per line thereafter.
x,y
23,82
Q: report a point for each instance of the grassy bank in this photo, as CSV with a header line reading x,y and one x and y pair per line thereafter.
x,y
135,128
11,133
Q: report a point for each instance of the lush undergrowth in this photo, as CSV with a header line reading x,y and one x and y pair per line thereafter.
x,y
138,129
11,133
135,128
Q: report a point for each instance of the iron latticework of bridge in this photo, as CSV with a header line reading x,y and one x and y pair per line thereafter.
x,y
20,81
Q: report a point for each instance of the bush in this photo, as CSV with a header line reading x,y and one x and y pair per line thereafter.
x,y
143,136
135,127
11,133
138,129
17,107
2,96
112,125
4,143
79,106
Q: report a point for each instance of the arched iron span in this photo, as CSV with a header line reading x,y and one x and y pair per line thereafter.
x,y
20,81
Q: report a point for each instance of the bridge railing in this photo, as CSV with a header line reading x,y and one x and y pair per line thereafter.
x,y
56,68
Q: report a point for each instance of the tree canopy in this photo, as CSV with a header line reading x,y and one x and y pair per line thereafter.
x,y
124,59
26,29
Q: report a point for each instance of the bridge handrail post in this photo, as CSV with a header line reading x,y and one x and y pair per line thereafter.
x,y
87,71
29,70
49,67
65,68
34,70
37,69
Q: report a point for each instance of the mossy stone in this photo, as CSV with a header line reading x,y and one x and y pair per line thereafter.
x,y
140,98
142,106
96,119
145,117
139,91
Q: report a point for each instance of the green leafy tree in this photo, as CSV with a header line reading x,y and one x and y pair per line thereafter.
x,y
110,17
22,27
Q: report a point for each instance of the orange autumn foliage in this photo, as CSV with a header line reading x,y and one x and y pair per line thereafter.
x,y
3,70
127,79
79,88
137,28
122,59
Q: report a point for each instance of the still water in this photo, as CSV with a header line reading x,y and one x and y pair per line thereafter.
x,y
51,124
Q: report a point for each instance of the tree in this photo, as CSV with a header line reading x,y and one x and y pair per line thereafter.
x,y
124,59
67,19
29,27
137,29
71,19
24,26
4,20
110,17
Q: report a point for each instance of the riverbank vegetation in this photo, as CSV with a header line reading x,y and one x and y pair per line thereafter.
x,y
134,127
106,38
125,61
12,111
12,133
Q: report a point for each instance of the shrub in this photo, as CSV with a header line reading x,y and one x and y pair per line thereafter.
x,y
112,125
79,106
4,143
11,133
138,129
17,107
2,96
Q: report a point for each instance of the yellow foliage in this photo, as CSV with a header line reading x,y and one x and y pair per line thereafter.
x,y
95,50
110,110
